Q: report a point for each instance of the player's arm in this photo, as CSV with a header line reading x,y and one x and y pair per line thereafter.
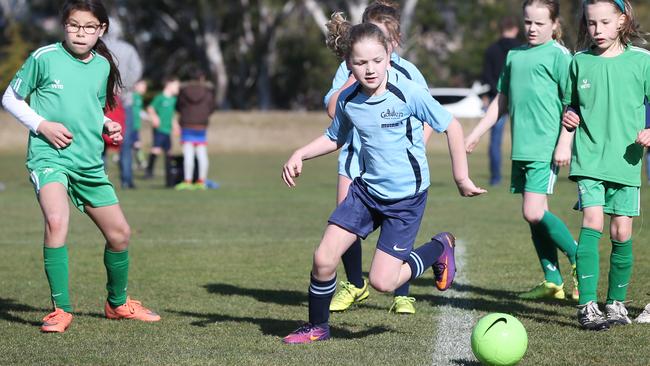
x,y
293,167
331,104
497,108
153,116
562,153
456,144
56,133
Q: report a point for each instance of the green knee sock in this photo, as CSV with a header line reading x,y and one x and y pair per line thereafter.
x,y
56,270
620,270
547,255
117,271
560,235
587,264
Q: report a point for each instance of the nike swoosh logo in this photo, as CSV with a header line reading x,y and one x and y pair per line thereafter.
x,y
584,277
619,286
551,267
313,338
59,294
398,249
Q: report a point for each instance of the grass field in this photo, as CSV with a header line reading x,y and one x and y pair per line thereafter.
x,y
228,271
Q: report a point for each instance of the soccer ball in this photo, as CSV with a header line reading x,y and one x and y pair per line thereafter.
x,y
499,340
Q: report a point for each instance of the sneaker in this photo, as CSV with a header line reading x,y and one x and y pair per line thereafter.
x,y
591,318
575,294
132,309
644,317
184,186
200,186
403,305
617,314
308,333
56,322
444,268
545,290
349,294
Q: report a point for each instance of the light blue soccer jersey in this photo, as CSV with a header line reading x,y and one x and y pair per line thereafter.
x,y
392,154
349,156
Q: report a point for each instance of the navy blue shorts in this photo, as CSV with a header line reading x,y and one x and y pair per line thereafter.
x,y
361,214
135,136
162,140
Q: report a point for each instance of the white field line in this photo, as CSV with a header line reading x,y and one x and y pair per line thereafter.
x,y
452,344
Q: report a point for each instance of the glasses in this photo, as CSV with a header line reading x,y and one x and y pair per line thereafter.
x,y
88,29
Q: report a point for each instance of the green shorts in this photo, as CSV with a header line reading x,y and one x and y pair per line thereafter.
x,y
615,198
87,187
533,176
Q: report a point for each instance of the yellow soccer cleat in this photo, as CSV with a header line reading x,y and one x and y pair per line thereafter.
x,y
349,294
403,305
545,290
575,294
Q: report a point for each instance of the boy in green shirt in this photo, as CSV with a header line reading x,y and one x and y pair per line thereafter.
x,y
162,112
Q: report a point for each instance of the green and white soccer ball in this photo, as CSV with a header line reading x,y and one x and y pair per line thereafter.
x,y
499,340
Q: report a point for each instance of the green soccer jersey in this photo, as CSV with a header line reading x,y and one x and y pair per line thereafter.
x,y
165,107
609,93
64,89
136,109
534,79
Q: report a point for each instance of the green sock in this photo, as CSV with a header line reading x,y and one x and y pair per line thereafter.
x,y
56,270
620,270
587,264
547,255
560,235
117,271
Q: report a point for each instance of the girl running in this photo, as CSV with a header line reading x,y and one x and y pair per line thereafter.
x,y
385,15
609,82
69,84
392,190
530,88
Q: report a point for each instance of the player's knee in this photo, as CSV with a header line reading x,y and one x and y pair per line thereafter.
x,y
621,234
119,237
533,215
56,224
382,284
324,265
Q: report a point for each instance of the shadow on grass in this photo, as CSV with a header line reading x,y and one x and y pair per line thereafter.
x,y
274,327
280,297
462,362
9,305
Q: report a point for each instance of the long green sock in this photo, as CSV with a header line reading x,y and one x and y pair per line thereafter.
x,y
56,270
587,264
547,255
560,235
620,270
117,271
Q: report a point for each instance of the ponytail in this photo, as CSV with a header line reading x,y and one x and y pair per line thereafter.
x,y
114,85
337,33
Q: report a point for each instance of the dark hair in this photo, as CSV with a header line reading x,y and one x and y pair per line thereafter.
x,y
387,13
508,22
363,31
553,7
96,7
630,31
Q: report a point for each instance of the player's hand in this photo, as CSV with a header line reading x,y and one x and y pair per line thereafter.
x,y
176,130
467,188
643,138
562,156
570,120
114,131
470,143
292,169
155,122
55,133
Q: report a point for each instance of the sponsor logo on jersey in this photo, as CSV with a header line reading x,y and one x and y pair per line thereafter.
x,y
585,84
57,85
391,114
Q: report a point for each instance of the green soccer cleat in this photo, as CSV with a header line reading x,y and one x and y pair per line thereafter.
x,y
575,294
349,294
403,305
184,186
545,290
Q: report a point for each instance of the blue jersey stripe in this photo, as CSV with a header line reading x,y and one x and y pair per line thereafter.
x,y
400,69
395,90
416,171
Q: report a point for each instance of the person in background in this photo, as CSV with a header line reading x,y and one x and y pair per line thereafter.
x,y
162,113
495,58
195,105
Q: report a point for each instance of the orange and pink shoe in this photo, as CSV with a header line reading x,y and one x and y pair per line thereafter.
x,y
132,309
56,322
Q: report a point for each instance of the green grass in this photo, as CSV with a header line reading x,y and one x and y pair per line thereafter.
x,y
228,271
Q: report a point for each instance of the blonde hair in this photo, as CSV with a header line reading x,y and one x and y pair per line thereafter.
x,y
553,7
338,29
385,12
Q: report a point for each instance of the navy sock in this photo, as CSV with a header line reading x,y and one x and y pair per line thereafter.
x,y
320,296
352,264
152,162
423,257
403,290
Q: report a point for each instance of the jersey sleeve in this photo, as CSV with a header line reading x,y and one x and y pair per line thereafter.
x,y
647,79
561,73
503,85
570,95
341,76
101,93
427,109
341,125
27,79
419,79
155,103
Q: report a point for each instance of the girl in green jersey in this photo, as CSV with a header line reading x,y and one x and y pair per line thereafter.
x,y
68,85
609,83
531,88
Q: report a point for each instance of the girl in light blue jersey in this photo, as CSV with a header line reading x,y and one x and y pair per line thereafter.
x,y
385,15
392,189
